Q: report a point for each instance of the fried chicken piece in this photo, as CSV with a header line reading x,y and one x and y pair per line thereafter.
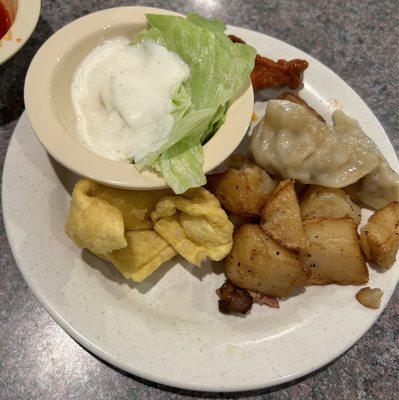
x,y
234,300
268,73
294,98
236,39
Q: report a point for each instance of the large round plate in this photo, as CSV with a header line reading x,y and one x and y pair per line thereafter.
x,y
167,329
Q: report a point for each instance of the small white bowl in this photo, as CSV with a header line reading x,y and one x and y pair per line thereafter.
x,y
24,16
49,108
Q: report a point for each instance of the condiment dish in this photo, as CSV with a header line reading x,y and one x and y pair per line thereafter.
x,y
24,16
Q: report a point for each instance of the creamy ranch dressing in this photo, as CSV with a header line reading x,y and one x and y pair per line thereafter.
x,y
122,97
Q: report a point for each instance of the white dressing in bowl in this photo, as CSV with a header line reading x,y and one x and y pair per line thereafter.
x,y
122,95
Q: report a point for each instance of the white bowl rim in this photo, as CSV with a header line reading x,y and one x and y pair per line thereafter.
x,y
26,18
77,158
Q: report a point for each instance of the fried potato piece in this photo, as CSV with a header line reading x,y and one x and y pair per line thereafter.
x,y
144,253
370,298
296,99
243,190
239,220
281,218
322,202
93,223
334,255
268,73
195,225
379,238
135,205
258,263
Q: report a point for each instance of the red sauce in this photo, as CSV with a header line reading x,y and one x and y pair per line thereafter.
x,y
5,22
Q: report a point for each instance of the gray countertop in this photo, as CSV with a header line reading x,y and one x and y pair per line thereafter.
x,y
356,39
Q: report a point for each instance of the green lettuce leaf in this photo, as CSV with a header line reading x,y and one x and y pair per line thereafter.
x,y
183,164
214,25
219,69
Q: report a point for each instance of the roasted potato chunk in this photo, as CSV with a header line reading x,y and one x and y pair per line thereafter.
x,y
370,298
256,262
239,220
379,238
322,202
281,218
242,190
334,255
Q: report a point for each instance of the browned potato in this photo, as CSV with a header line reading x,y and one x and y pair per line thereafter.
x,y
379,238
370,298
334,255
322,202
242,190
256,262
281,218
239,220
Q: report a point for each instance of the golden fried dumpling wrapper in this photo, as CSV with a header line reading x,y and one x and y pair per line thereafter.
x,y
135,205
93,223
195,225
145,252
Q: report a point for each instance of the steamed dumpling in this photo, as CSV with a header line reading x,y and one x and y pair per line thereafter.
x,y
378,188
291,143
381,186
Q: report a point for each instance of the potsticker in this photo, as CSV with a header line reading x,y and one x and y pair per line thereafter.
x,y
195,225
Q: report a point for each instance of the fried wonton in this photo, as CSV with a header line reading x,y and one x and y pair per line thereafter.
x,y
93,223
135,205
115,225
144,253
195,225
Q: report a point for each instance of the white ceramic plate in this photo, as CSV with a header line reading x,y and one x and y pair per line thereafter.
x,y
168,329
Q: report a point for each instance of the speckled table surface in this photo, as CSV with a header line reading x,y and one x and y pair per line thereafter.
x,y
356,39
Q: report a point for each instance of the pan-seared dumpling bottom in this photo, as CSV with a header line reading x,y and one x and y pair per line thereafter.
x,y
291,143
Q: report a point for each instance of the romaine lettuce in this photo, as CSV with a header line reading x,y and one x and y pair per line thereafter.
x,y
218,69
